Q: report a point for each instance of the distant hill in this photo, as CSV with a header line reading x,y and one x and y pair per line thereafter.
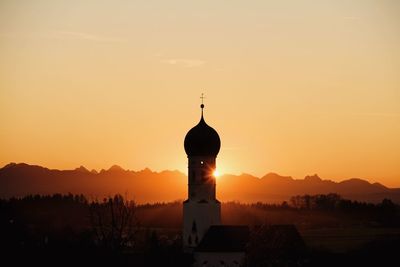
x,y
275,188
147,186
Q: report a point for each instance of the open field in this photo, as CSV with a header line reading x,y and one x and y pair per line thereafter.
x,y
340,240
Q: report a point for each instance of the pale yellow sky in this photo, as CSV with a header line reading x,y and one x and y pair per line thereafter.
x,y
294,87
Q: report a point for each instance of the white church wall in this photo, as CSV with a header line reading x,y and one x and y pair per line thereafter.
x,y
203,215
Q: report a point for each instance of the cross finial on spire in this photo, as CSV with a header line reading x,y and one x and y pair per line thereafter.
x,y
202,104
202,100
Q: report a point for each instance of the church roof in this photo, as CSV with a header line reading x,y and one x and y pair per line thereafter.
x,y
277,241
224,238
280,236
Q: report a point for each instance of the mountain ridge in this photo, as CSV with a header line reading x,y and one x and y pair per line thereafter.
x,y
19,179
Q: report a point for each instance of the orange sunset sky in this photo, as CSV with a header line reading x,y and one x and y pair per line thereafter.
x,y
294,87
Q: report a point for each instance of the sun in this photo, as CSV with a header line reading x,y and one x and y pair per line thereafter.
x,y
216,173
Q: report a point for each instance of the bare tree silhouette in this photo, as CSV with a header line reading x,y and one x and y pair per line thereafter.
x,y
114,222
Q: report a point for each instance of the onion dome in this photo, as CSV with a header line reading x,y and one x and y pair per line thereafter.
x,y
202,140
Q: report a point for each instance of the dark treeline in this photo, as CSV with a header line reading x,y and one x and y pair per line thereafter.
x,y
70,230
74,211
336,202
114,231
315,211
385,213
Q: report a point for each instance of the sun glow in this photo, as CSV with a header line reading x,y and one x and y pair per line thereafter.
x,y
216,173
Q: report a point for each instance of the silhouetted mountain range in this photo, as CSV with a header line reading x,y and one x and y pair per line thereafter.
x,y
148,186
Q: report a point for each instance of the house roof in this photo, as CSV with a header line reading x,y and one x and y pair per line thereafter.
x,y
280,236
224,238
277,241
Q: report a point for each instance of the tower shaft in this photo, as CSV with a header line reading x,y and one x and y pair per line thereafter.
x,y
201,209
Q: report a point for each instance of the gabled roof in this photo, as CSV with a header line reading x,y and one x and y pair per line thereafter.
x,y
224,238
281,236
276,241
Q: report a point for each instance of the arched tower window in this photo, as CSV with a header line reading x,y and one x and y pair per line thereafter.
x,y
194,227
204,175
193,176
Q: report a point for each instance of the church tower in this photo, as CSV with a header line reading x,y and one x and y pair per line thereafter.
x,y
201,209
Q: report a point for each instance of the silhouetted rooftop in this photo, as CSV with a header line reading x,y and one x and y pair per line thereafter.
x,y
277,241
224,238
